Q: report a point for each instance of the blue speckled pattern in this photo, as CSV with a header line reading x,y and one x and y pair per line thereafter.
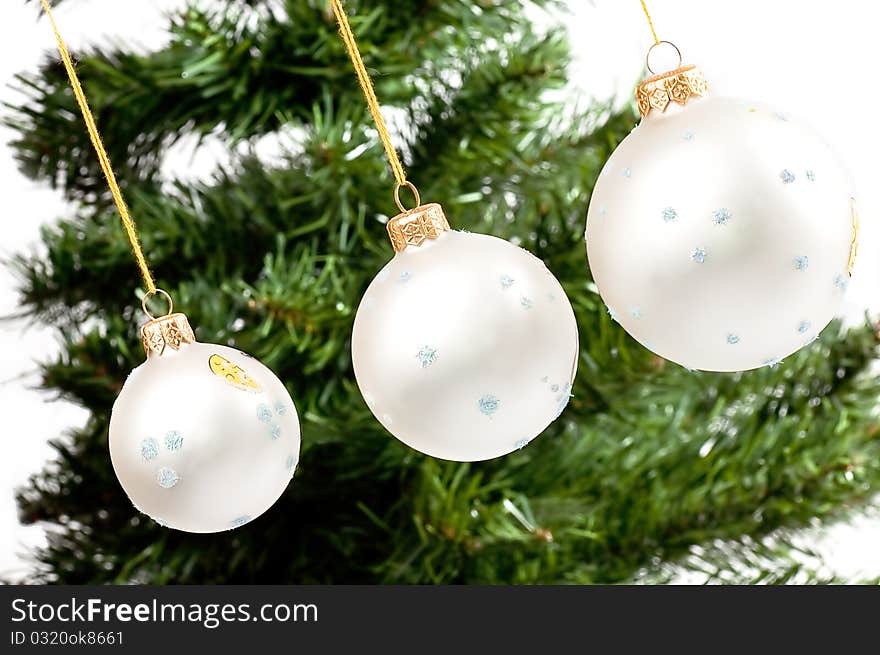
x,y
563,399
149,449
786,176
732,339
699,255
801,263
722,216
173,441
426,356
264,413
239,521
167,478
489,404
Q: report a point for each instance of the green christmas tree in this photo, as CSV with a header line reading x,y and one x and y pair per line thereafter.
x,y
649,468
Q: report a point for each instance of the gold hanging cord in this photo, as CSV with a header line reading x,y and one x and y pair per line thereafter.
x,y
104,161
650,22
373,103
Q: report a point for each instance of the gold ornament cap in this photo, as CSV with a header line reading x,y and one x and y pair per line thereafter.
x,y
680,85
675,86
415,226
169,331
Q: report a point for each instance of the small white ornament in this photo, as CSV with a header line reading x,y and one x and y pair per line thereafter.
x,y
734,242
473,352
203,437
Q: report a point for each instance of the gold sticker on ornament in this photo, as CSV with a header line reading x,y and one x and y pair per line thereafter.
x,y
234,375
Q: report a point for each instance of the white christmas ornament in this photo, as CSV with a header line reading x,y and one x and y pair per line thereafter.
x,y
203,438
464,345
721,233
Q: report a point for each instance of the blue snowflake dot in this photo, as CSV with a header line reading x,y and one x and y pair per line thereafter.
x,y
801,263
841,282
627,172
290,463
732,339
506,281
167,478
405,276
264,413
721,216
149,449
811,176
688,136
173,441
522,443
635,312
803,326
280,408
527,303
239,521
427,356
562,400
699,255
786,176
275,431
669,214
488,404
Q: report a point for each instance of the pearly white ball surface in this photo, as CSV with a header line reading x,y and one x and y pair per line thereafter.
x,y
719,234
465,348
203,439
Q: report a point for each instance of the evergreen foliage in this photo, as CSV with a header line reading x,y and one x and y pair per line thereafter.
x,y
650,464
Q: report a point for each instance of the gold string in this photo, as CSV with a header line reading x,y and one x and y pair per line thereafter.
x,y
650,22
103,159
369,93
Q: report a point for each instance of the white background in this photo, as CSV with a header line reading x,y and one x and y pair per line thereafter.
x,y
814,60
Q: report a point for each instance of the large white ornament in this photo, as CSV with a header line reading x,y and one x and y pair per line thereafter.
x,y
203,438
464,345
719,233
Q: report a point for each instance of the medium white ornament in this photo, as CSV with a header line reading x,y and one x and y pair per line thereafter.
x,y
721,233
203,437
464,345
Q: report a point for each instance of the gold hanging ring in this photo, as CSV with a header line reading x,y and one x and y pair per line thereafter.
x,y
150,294
651,49
412,187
